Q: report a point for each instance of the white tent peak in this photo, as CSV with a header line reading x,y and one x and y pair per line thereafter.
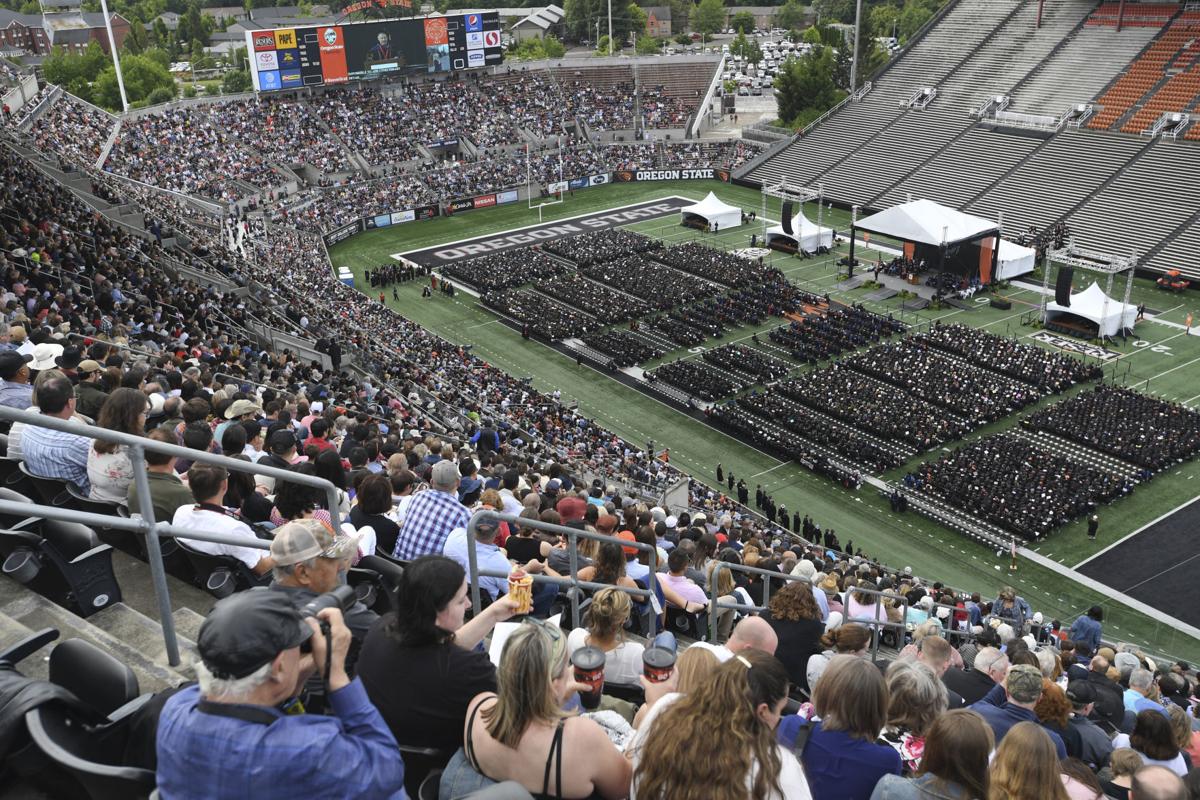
x,y
1109,314
926,222
714,210
807,235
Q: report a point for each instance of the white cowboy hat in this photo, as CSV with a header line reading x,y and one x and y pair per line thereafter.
x,y
45,356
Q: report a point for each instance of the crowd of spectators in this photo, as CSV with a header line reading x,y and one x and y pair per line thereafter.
x,y
1047,370
1152,433
662,154
971,392
506,270
1008,480
74,130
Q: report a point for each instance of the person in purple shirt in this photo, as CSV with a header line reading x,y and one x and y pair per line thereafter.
x,y
840,755
232,736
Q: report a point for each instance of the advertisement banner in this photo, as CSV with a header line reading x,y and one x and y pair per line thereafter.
x,y
383,220
578,183
342,233
403,216
426,212
509,196
598,180
629,175
454,206
333,55
556,187
485,201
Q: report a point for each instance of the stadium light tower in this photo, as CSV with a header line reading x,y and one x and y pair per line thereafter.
x,y
610,27
854,60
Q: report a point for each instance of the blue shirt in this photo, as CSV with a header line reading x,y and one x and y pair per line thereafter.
x,y
1086,630
487,557
55,454
838,766
1003,718
349,754
432,515
1136,702
16,395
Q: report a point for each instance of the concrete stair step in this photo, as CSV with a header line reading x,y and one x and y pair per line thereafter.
x,y
128,635
137,588
13,631
187,623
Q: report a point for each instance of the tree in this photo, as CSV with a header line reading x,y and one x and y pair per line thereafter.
x,y
638,19
742,22
553,47
812,35
806,84
137,40
236,80
709,16
881,21
790,15
683,39
681,15
647,45
146,82
834,10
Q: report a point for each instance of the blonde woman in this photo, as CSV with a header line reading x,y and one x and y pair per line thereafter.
x,y
673,754
1026,766
522,734
608,613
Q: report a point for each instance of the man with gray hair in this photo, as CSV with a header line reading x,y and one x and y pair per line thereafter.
x,y
432,515
311,560
1140,683
228,737
989,668
1157,783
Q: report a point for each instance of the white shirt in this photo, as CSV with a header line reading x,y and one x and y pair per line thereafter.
x,y
791,774
623,664
722,652
1176,764
192,518
511,504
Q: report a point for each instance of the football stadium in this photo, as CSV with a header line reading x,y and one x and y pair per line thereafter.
x,y
426,410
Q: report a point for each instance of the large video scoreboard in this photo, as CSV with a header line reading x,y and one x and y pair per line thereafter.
x,y
289,58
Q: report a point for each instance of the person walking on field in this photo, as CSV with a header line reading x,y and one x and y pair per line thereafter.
x,y
1093,526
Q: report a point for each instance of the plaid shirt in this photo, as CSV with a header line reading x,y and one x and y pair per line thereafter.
x,y
432,515
54,454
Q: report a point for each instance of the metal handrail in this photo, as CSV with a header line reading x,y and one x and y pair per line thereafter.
x,y
146,524
573,535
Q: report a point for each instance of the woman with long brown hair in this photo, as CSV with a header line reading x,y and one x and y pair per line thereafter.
x,y
954,765
673,754
109,469
850,639
1026,766
794,615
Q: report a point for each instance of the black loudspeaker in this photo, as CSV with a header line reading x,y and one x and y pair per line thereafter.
x,y
1062,288
1001,303
787,217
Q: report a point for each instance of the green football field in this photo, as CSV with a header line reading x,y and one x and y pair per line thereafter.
x,y
1163,360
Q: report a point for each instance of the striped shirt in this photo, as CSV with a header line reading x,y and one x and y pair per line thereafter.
x,y
55,454
431,516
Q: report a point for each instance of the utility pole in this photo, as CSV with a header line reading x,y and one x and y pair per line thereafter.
x,y
854,62
112,49
610,42
597,32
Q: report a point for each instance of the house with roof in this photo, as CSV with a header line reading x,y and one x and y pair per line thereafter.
x,y
536,25
658,21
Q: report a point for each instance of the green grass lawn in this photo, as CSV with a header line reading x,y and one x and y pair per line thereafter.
x,y
1164,358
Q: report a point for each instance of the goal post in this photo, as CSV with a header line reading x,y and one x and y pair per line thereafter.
x,y
531,188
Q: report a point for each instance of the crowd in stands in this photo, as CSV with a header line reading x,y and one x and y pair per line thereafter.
x,y
661,154
1017,485
1153,434
505,270
974,393
1050,372
74,130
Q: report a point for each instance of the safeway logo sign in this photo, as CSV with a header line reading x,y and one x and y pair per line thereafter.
x,y
491,38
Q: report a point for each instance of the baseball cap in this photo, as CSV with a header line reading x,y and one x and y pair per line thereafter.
x,y
11,362
627,536
1081,692
1024,683
247,630
309,538
88,366
239,407
670,522
553,486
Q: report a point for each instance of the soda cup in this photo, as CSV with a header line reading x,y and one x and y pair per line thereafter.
x,y
589,669
657,664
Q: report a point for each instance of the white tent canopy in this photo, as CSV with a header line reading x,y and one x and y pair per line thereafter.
x,y
714,212
926,222
1109,314
1014,260
805,235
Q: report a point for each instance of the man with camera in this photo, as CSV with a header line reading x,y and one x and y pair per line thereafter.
x,y
237,735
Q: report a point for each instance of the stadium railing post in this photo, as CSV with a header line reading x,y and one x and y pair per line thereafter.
x,y
158,573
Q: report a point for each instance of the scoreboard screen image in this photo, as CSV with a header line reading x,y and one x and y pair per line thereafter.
x,y
290,58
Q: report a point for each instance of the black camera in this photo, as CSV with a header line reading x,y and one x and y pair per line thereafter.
x,y
342,597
